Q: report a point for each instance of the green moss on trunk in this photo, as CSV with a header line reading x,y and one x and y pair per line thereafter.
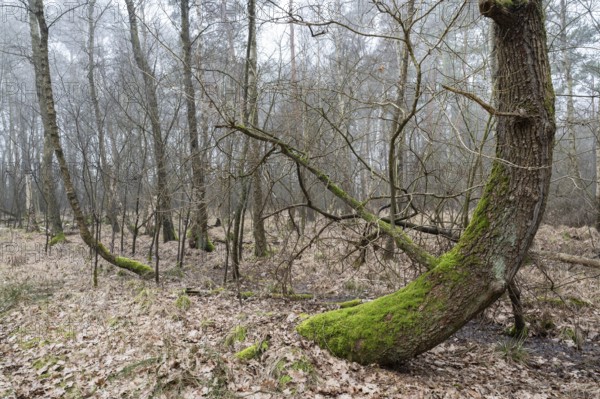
x,y
134,266
60,237
365,332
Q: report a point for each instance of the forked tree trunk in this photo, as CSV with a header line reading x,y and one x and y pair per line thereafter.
x,y
467,279
51,126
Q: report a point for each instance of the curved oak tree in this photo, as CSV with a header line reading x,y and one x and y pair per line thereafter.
x,y
476,272
464,281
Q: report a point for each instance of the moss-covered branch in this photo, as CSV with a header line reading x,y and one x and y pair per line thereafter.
x,y
403,241
395,328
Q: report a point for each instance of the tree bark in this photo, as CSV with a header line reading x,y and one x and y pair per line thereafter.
x,y
395,328
32,224
199,226
251,117
52,210
51,126
163,194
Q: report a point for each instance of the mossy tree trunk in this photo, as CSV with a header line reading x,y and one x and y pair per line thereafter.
x,y
51,127
467,279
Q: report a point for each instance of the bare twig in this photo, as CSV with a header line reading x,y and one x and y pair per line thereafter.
x,y
491,110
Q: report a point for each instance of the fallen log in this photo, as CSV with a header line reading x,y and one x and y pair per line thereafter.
x,y
573,259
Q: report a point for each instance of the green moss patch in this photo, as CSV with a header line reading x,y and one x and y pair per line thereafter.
x,y
238,334
367,333
183,302
247,294
253,351
209,246
57,239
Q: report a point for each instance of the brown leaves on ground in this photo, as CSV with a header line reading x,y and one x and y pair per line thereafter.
x,y
61,338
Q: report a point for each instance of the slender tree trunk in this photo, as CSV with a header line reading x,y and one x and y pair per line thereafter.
x,y
52,210
297,125
162,187
393,329
568,76
199,225
514,293
108,176
51,126
32,224
598,173
398,136
251,117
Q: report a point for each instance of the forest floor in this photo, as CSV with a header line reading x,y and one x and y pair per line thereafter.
x,y
131,338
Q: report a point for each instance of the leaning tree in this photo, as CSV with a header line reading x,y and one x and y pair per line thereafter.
x,y
51,128
476,272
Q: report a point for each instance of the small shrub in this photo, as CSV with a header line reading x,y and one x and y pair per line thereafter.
x,y
57,239
238,334
575,335
183,302
144,298
11,294
513,350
